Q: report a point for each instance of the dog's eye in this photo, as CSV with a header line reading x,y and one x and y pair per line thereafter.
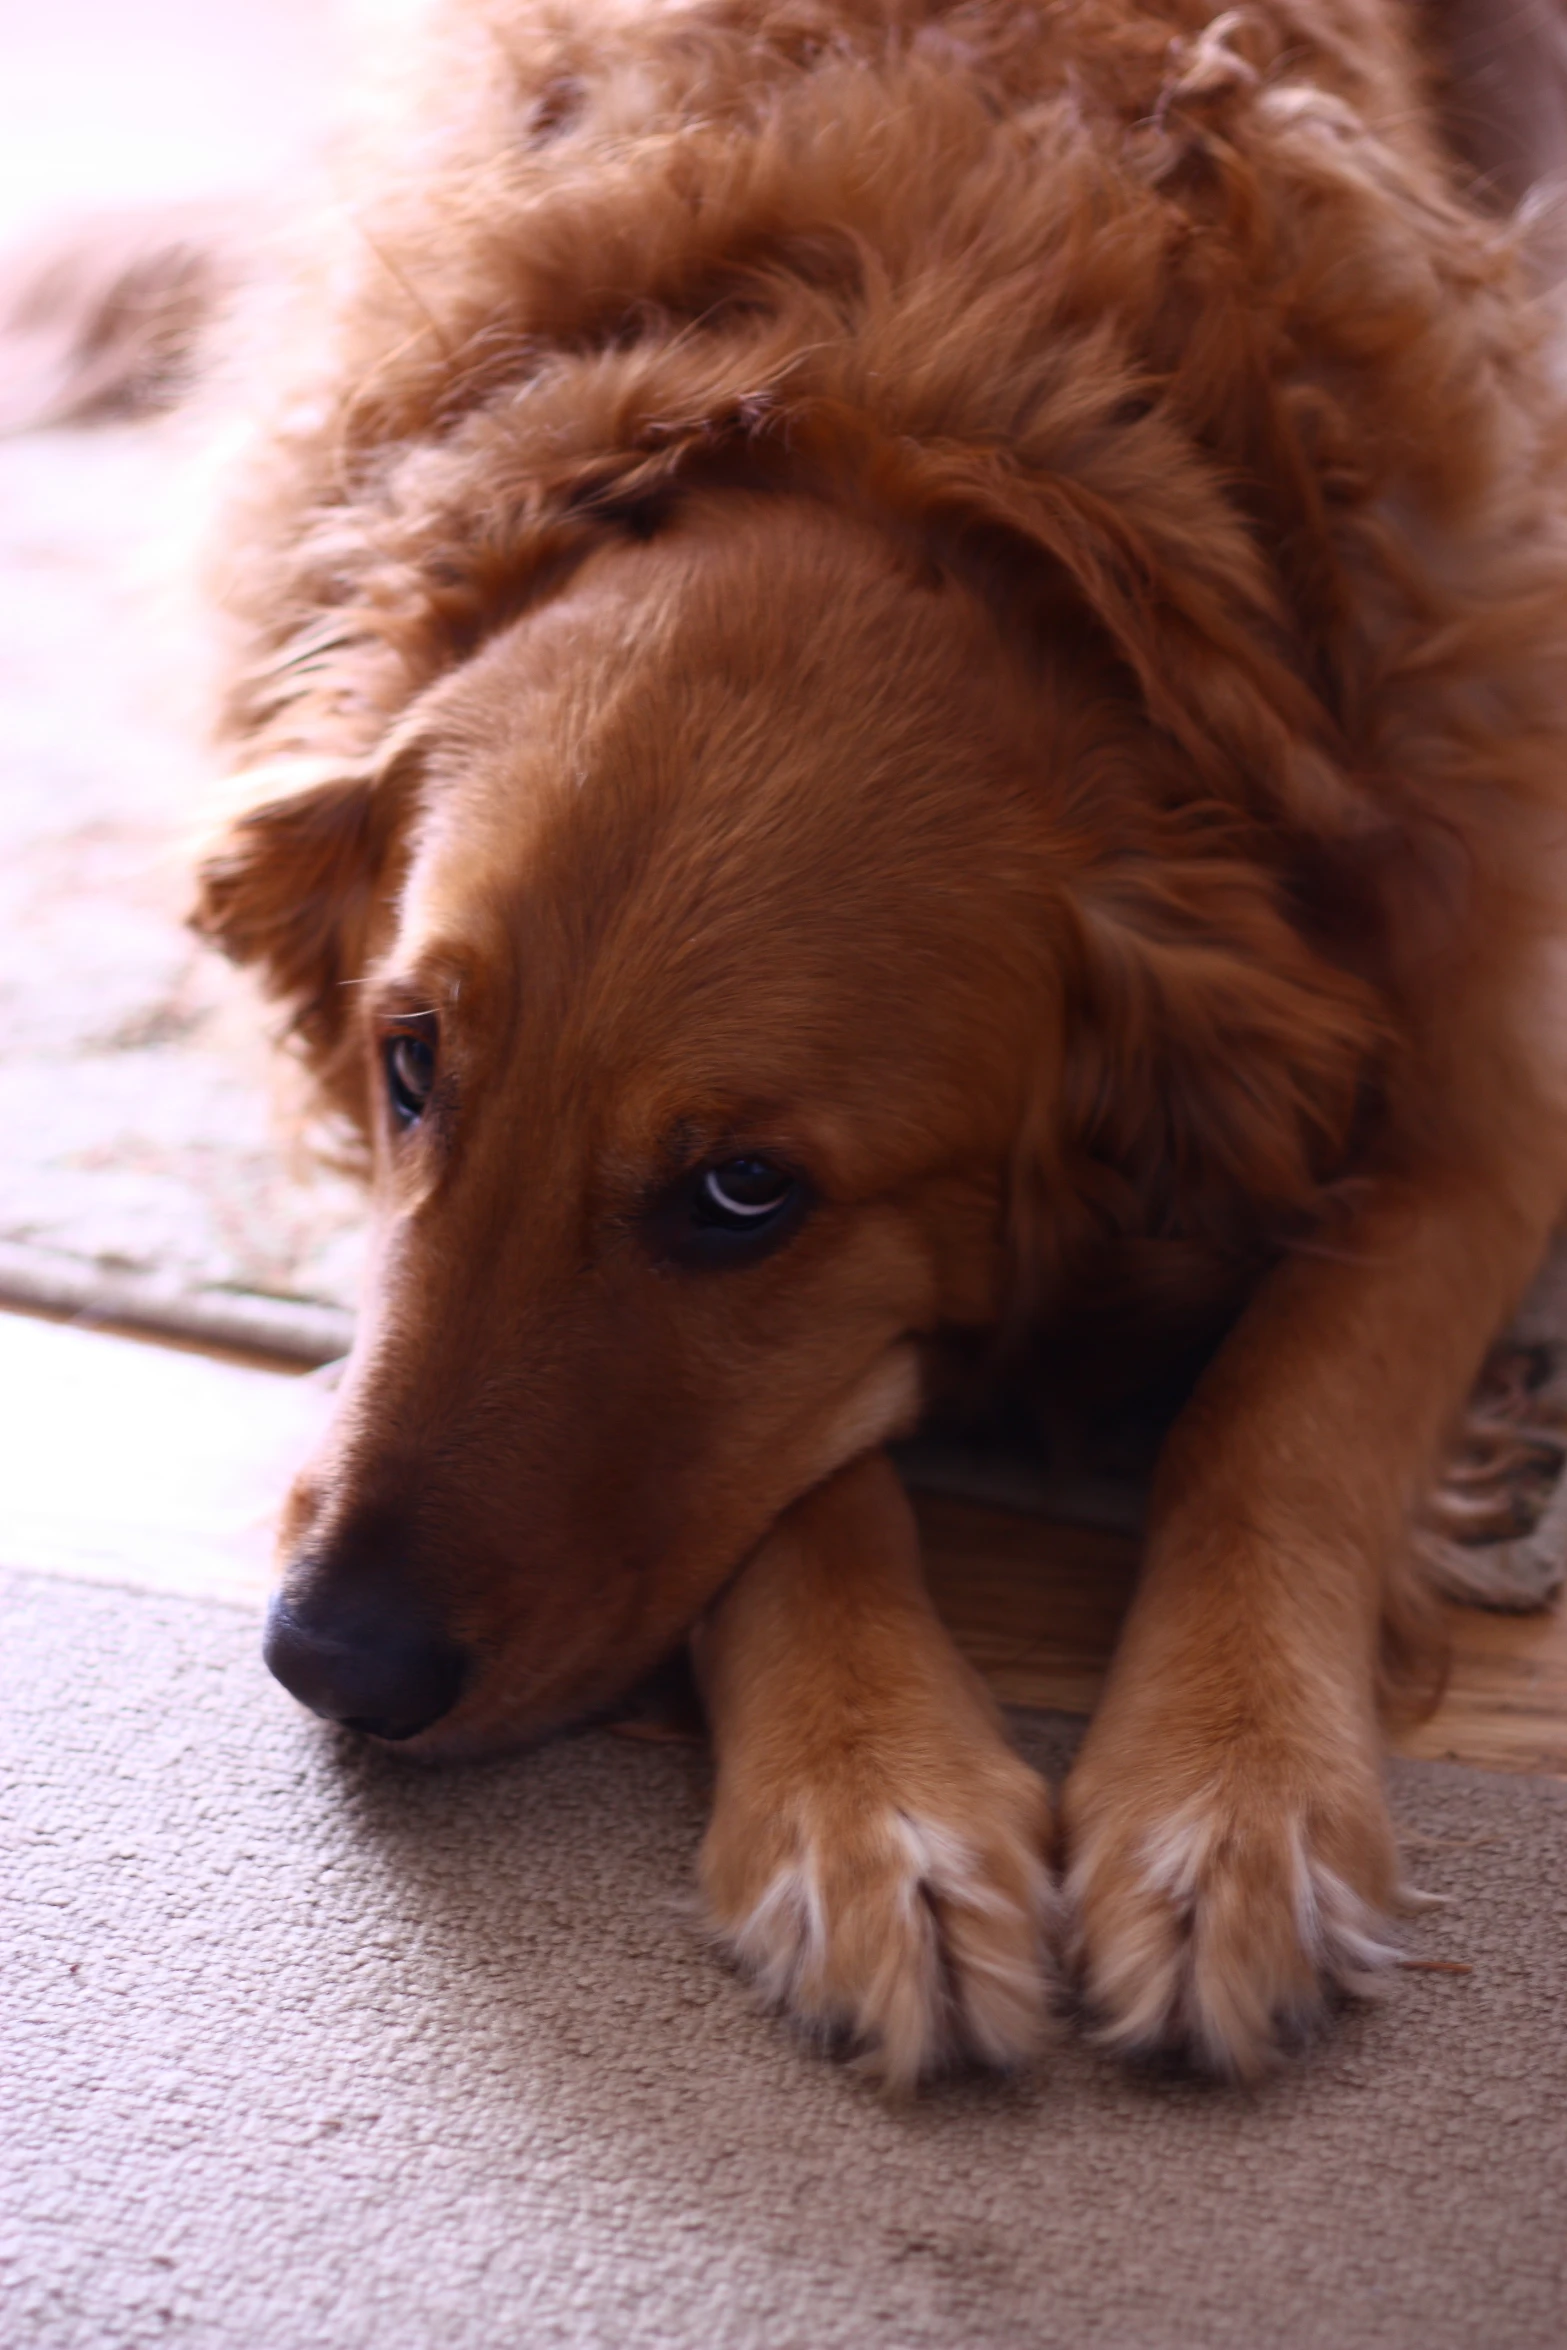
x,y
409,1060
743,1195
730,1214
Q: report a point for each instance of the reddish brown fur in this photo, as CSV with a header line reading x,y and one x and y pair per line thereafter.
x,y
971,599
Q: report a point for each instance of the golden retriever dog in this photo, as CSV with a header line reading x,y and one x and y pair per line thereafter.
x,y
902,701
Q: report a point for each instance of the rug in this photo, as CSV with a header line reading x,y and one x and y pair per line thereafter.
x,y
144,1170
302,2046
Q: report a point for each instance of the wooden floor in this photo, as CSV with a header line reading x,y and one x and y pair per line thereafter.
x,y
1036,1606
159,1466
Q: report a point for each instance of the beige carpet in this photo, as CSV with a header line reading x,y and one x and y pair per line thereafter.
x,y
305,2048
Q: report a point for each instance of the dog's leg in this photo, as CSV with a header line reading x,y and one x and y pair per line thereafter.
x,y
876,1858
1229,1848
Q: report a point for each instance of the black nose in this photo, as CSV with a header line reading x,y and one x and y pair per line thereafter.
x,y
365,1659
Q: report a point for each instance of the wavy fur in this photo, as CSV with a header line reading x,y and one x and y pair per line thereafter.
x,y
1035,532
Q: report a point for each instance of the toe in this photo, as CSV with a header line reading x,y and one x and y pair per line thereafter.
x,y
1219,1934
919,1941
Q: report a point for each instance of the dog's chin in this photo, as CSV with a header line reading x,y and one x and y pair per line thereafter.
x,y
510,1706
456,1743
657,1701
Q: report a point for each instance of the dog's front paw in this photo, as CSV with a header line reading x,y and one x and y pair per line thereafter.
x,y
1214,1903
904,1913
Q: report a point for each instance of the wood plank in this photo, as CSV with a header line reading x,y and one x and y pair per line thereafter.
x,y
1505,1704
1037,1606
163,1467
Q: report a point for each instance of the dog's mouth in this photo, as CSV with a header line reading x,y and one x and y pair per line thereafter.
x,y
395,1677
397,1629
662,1707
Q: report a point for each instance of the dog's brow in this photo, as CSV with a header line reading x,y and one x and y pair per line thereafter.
x,y
415,996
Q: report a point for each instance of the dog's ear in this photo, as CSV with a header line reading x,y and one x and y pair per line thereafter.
x,y
1214,1060
1160,558
298,882
1211,1070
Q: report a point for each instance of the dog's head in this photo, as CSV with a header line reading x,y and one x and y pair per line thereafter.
x,y
732,966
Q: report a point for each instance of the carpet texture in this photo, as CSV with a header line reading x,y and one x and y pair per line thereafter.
x,y
305,2048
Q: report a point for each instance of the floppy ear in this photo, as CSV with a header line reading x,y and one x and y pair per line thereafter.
x,y
1213,1061
1211,1072
1160,557
297,883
